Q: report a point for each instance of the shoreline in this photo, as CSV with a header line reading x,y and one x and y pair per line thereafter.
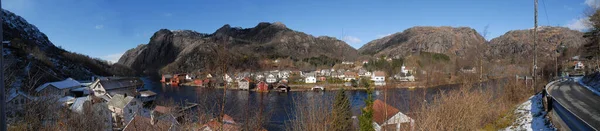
x,y
308,87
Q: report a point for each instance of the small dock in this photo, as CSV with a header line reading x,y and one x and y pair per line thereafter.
x,y
186,107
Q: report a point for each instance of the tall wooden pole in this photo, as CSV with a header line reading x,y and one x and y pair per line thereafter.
x,y
3,127
535,42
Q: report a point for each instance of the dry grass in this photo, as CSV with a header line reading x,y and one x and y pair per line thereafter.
x,y
311,114
470,108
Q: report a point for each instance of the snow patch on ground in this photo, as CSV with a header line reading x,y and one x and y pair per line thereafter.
x,y
531,116
595,90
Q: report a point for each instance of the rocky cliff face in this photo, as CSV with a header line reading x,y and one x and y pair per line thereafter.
x,y
518,44
446,40
186,51
31,57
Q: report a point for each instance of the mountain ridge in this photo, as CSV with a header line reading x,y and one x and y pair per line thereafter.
x,y
265,40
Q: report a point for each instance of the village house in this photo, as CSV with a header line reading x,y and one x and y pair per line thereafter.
x,y
340,73
140,123
579,65
284,74
98,110
262,87
325,72
310,78
59,88
379,78
404,77
227,78
244,84
16,100
228,125
259,76
349,76
271,79
147,96
347,63
107,88
166,78
334,75
468,69
123,109
78,104
322,78
386,117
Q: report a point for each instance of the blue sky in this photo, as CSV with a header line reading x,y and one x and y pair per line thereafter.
x,y
107,28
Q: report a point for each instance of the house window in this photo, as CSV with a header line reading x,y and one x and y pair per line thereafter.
x,y
130,111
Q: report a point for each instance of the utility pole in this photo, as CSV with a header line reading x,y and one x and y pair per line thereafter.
x,y
3,127
535,41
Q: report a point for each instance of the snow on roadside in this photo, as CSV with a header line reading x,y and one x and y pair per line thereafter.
x,y
531,116
594,90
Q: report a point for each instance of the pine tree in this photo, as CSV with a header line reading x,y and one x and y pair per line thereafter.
x,y
342,120
366,119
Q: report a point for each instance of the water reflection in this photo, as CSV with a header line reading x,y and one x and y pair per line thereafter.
x,y
279,106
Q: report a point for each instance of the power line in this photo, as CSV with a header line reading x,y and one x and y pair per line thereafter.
x,y
546,11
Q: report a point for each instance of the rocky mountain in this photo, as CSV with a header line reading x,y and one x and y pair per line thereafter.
x,y
31,57
241,48
446,40
518,44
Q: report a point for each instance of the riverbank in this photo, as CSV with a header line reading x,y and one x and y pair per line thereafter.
x,y
308,87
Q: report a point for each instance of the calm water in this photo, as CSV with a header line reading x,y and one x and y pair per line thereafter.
x,y
279,106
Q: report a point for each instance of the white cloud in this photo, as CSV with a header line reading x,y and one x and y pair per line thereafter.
x,y
99,26
351,40
113,58
580,24
593,3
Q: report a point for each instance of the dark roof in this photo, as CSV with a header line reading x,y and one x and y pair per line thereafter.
x,y
139,123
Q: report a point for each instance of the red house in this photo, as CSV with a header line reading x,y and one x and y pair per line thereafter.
x,y
262,87
198,82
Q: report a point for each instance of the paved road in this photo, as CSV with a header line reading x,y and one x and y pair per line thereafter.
x,y
580,101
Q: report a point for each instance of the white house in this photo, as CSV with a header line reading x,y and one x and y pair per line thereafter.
x,y
271,79
404,77
379,78
123,108
468,69
227,78
368,74
259,76
347,63
386,117
325,72
59,88
403,69
579,65
310,78
111,87
243,84
285,74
